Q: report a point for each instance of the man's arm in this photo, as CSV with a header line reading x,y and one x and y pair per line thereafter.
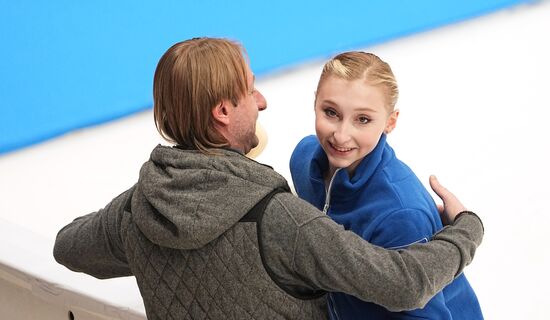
x,y
92,243
316,253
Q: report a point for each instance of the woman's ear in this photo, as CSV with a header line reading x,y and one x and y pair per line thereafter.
x,y
221,112
391,122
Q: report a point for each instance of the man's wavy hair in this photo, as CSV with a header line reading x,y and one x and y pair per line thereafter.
x,y
191,78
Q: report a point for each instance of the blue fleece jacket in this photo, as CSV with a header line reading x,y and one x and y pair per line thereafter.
x,y
386,204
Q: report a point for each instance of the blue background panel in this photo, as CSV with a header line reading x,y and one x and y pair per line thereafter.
x,y
70,64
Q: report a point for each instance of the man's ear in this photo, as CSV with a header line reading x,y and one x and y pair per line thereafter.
x,y
221,112
391,122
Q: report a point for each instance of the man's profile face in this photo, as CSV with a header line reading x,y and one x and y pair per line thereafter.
x,y
245,114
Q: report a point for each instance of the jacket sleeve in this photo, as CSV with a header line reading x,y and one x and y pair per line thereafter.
x,y
93,244
317,253
399,230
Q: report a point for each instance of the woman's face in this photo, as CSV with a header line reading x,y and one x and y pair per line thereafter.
x,y
350,117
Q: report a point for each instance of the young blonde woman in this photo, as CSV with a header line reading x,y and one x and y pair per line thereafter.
x,y
351,173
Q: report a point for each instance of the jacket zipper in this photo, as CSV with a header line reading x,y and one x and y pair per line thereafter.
x,y
327,198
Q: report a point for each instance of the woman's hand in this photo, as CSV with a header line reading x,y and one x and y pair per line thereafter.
x,y
451,206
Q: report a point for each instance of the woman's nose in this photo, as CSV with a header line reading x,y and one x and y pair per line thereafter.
x,y
341,134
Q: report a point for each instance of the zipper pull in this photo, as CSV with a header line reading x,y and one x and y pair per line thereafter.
x,y
325,208
328,190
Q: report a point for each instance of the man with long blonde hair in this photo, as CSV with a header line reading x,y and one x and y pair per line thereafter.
x,y
211,234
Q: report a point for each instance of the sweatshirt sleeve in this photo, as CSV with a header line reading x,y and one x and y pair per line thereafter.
x,y
92,243
319,254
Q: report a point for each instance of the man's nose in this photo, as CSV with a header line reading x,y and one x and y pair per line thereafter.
x,y
260,100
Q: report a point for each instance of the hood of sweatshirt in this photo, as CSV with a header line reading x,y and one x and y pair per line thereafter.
x,y
185,199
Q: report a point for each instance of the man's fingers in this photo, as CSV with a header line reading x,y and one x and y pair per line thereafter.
x,y
451,205
440,190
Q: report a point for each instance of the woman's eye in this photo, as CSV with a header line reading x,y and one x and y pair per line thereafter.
x,y
363,120
330,113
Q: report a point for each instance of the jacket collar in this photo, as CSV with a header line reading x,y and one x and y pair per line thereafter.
x,y
344,185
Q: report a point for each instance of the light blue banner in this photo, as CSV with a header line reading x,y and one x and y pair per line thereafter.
x,y
70,64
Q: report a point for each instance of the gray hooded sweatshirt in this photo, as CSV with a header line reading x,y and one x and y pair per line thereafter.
x,y
179,232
